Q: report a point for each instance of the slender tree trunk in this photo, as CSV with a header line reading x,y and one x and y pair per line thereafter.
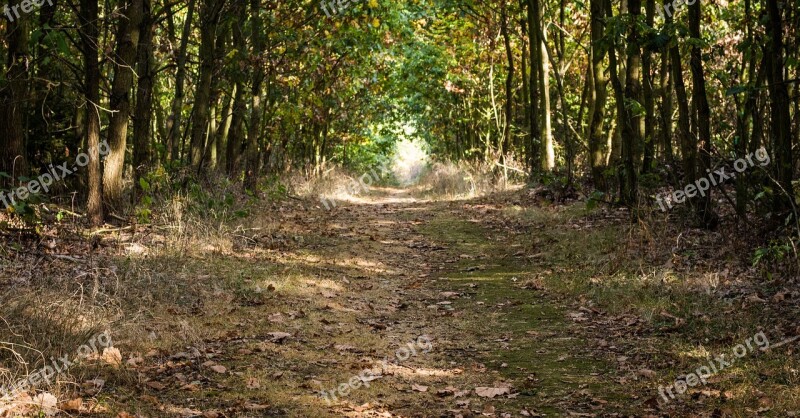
x,y
236,139
702,204
252,159
526,88
224,132
127,42
509,106
548,149
665,86
649,99
13,158
143,114
202,93
632,124
597,144
534,44
687,143
780,121
174,138
89,34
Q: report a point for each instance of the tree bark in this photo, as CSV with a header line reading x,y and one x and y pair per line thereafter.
x,y
597,140
127,41
173,140
548,149
665,86
534,44
252,159
702,203
89,35
780,121
202,93
687,143
648,92
632,124
143,114
13,158
509,105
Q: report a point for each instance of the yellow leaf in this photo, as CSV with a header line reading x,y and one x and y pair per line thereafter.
x,y
373,4
376,22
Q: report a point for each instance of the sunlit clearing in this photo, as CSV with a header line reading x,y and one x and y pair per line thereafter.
x,y
410,159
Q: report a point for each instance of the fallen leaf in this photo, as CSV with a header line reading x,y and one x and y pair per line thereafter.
x,y
112,356
254,406
486,392
153,384
253,383
419,388
277,337
46,403
219,368
73,405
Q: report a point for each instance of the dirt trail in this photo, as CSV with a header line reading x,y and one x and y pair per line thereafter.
x,y
440,303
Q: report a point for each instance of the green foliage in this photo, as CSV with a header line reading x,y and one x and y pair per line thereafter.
x,y
594,199
775,251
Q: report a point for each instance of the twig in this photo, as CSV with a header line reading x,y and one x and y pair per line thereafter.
x,y
65,257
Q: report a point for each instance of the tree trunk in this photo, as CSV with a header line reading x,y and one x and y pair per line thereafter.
x,y
665,86
632,124
13,159
173,140
202,93
236,138
252,159
780,122
701,203
120,102
89,35
649,99
224,132
534,44
548,150
143,114
597,144
687,143
509,107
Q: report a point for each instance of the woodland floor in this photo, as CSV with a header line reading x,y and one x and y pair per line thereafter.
x,y
548,310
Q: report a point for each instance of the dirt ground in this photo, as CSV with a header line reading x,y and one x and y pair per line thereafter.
x,y
396,306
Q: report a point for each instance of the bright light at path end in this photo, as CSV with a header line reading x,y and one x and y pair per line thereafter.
x,y
410,159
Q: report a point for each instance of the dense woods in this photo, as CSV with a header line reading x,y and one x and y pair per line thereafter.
x,y
630,95
237,208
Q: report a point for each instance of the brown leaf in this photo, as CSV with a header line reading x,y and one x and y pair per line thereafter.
x,y
254,406
72,406
419,388
253,383
112,356
277,337
485,392
153,384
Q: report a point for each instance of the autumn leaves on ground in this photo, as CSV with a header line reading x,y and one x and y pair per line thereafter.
x,y
511,304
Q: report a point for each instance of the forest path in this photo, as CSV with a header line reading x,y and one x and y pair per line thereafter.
x,y
440,302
